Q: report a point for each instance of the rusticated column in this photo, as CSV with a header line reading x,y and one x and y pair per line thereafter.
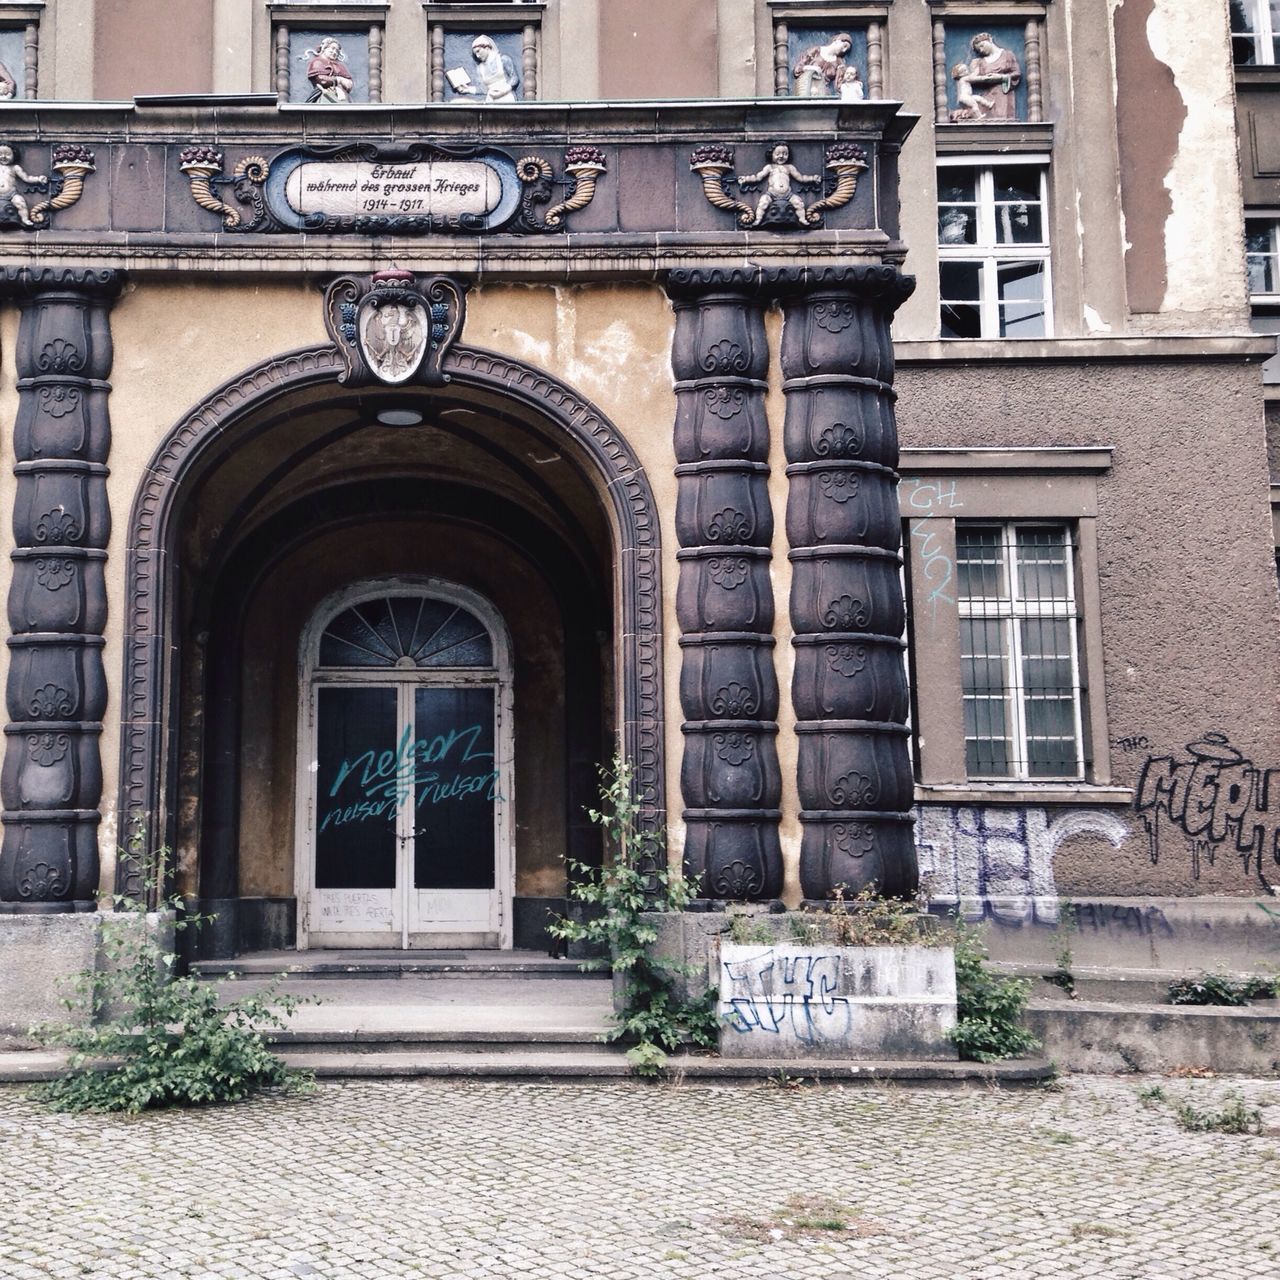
x,y
849,687
724,601
52,776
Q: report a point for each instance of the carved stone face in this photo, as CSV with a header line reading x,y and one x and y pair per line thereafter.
x,y
6,155
983,48
330,48
482,49
781,153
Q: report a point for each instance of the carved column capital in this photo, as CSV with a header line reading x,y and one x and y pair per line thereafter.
x,y
879,283
27,283
687,286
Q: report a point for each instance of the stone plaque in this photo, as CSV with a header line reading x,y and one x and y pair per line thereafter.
x,y
344,189
416,189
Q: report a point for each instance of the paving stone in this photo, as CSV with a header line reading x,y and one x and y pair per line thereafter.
x,y
463,1180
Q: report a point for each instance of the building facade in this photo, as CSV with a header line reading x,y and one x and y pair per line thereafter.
x,y
408,402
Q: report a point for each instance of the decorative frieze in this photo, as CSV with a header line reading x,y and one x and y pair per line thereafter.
x,y
780,204
849,684
52,776
729,778
69,163
382,189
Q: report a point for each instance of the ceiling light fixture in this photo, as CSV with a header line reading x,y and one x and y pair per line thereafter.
x,y
399,417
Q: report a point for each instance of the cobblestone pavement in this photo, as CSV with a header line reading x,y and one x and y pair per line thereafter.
x,y
453,1179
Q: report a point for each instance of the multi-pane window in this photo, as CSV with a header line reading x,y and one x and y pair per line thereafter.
x,y
993,250
1262,254
1255,32
1020,669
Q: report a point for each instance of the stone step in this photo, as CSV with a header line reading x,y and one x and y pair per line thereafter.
x,y
1095,1036
562,1040
1110,985
605,1064
392,964
609,1062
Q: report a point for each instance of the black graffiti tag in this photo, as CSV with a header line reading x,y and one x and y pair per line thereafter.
x,y
1218,799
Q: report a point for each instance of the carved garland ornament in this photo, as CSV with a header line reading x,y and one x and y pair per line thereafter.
x,y
70,163
780,205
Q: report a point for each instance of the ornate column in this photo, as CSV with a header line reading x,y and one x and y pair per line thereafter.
x,y
52,776
724,602
849,688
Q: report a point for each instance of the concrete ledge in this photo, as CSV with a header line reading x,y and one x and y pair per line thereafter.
x,y
1080,1035
1185,934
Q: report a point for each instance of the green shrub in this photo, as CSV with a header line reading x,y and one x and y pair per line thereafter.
x,y
635,880
143,1038
989,1008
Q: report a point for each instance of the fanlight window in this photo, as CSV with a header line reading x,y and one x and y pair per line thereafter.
x,y
406,632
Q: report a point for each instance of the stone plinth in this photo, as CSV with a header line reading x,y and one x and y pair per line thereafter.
x,y
42,955
786,1001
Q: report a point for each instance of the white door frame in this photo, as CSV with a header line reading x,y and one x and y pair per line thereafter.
x,y
405,681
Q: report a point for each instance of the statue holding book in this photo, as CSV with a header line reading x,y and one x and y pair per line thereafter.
x,y
495,78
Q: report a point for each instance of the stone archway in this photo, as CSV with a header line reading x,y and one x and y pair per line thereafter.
x,y
148,735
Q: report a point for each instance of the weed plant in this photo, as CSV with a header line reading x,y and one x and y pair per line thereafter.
x,y
989,1007
1236,1116
1220,989
635,881
141,1037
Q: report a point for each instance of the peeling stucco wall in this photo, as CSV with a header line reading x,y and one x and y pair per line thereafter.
x,y
1179,180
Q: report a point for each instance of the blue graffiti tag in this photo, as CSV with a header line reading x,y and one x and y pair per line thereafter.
x,y
384,780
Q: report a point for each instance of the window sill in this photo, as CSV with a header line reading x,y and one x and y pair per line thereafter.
x,y
1022,793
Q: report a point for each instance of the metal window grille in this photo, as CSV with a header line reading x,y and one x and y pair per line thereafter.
x,y
1255,32
993,249
1020,668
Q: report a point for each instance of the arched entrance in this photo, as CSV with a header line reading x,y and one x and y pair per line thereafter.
x,y
405,733
283,491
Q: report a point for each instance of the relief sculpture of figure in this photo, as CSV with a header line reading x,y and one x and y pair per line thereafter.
x,y
331,79
818,71
8,85
985,89
499,80
11,173
778,176
851,89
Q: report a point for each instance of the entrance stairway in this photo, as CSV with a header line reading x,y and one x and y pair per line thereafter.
x,y
498,1015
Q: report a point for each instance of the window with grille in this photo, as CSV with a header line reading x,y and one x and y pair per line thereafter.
x,y
1255,32
993,250
1020,669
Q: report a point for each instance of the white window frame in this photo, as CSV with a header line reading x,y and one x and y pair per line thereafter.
x,y
1263,34
987,252
1271,298
1011,610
